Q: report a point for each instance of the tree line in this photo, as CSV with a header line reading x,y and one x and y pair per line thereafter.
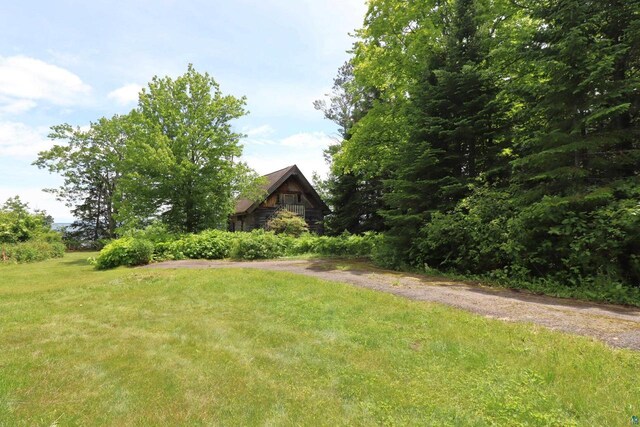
x,y
173,159
493,136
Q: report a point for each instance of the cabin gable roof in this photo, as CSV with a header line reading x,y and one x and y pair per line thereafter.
x,y
273,181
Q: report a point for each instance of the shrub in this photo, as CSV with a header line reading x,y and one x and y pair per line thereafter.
x,y
168,251
259,244
575,240
125,251
386,254
155,232
27,236
18,224
343,245
303,244
33,250
210,244
217,244
586,244
471,239
289,223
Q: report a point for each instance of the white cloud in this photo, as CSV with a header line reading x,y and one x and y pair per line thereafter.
x,y
15,106
20,140
303,149
285,100
125,95
260,135
308,140
24,81
259,132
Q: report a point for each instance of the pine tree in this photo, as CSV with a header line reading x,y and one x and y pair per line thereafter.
x,y
453,115
355,197
91,163
584,133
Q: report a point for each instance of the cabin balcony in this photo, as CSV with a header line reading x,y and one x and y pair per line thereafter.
x,y
297,209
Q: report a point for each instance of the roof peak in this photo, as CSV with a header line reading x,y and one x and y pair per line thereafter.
x,y
280,170
273,181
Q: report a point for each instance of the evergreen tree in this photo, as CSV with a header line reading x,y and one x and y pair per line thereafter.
x,y
91,163
584,129
354,198
453,115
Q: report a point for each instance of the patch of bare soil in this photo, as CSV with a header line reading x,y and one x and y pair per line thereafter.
x,y
618,326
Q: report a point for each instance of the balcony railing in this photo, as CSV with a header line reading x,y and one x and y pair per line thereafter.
x,y
296,209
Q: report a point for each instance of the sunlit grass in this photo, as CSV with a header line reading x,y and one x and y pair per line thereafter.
x,y
245,347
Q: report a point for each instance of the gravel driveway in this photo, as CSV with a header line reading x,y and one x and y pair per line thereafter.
x,y
618,326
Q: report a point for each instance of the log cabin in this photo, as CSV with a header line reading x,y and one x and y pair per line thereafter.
x,y
285,189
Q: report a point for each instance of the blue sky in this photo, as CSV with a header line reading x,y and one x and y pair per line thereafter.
x,y
75,61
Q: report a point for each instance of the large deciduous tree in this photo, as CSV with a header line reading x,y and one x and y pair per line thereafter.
x,y
182,162
174,158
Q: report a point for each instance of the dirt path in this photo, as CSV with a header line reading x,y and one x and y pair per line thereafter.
x,y
616,325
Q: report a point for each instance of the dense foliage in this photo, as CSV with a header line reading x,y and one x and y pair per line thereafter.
x,y
287,222
505,138
182,162
173,158
125,251
155,243
91,163
26,236
210,244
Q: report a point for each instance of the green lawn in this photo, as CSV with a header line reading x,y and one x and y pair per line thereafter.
x,y
244,347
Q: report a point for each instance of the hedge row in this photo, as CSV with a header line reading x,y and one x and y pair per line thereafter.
x,y
145,246
31,251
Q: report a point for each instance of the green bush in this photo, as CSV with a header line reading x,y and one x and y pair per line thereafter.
x,y
343,245
27,236
259,244
33,250
210,244
156,232
579,239
171,250
217,244
584,245
286,222
385,254
125,251
471,239
18,224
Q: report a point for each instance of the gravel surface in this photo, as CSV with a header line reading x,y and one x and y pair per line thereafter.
x,y
618,326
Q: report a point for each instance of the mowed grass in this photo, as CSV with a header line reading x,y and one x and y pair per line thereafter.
x,y
245,347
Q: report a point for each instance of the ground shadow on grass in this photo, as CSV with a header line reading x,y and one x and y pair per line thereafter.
x,y
80,262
